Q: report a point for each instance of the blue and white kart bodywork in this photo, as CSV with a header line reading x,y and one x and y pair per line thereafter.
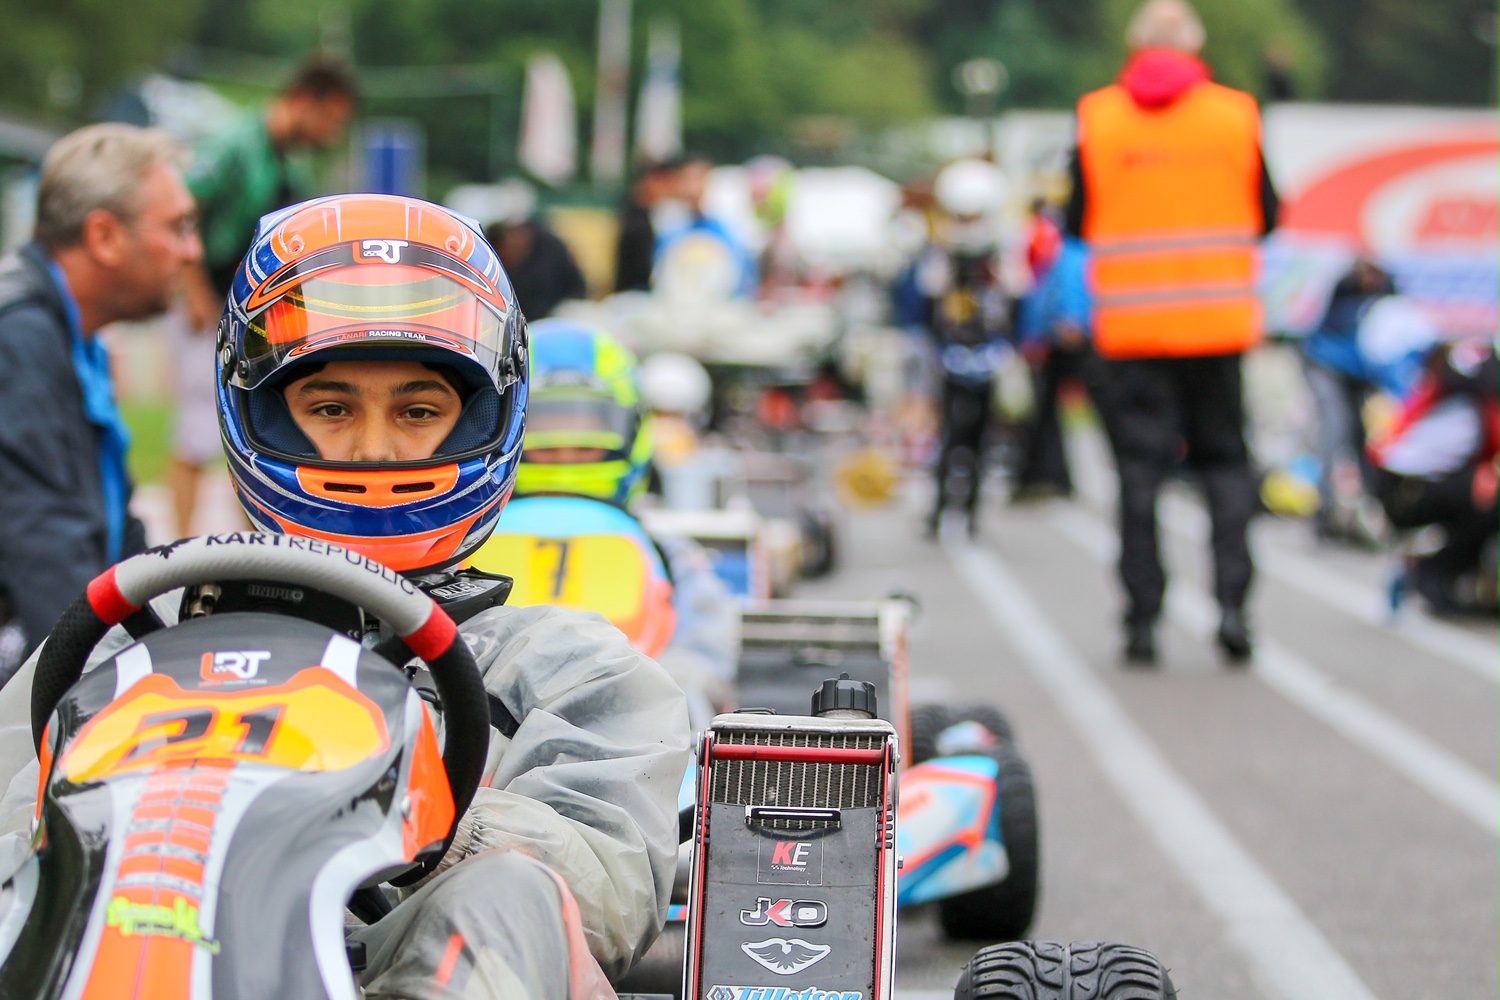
x,y
948,829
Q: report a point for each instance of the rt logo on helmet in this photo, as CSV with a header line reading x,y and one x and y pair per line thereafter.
x,y
387,250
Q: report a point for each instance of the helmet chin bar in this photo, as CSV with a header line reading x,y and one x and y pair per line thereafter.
x,y
413,554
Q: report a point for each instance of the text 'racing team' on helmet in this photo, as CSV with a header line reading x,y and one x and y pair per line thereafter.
x,y
364,277
586,433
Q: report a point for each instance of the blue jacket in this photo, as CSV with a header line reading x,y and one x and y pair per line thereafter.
x,y
1061,295
53,524
1335,343
747,278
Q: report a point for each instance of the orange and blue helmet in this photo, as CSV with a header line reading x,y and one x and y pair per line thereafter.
x,y
373,277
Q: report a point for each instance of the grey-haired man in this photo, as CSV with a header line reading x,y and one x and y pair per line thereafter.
x,y
115,232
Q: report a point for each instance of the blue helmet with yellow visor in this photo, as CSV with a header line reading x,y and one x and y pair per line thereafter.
x,y
586,432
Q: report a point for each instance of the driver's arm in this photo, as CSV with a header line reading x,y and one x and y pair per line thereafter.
x,y
589,782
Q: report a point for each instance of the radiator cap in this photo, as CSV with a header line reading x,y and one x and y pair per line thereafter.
x,y
842,696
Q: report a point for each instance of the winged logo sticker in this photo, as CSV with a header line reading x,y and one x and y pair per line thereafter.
x,y
786,956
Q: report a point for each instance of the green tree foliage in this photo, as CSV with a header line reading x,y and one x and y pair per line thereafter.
x,y
752,70
1415,52
1240,36
1053,52
749,69
1046,67
61,59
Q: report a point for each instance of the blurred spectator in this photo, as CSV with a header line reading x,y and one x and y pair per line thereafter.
x,y
771,180
1339,381
635,250
697,255
115,234
540,266
1055,351
1054,334
1277,63
967,313
1171,193
1043,239
237,176
1436,464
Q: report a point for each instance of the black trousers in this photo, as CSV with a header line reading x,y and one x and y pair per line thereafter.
x,y
966,417
1044,458
1160,412
1413,502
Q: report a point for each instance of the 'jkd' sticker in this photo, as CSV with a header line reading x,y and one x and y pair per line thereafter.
x,y
790,862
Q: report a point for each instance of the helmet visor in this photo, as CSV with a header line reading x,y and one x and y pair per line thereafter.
x,y
579,421
393,306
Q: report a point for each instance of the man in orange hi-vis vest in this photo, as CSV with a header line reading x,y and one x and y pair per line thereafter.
x,y
1170,192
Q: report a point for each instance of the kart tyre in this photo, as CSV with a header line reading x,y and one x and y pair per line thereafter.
x,y
819,546
926,722
1003,911
929,720
987,716
1048,970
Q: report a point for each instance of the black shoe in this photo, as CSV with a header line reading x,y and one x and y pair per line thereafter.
x,y
930,531
1436,589
1234,637
1140,644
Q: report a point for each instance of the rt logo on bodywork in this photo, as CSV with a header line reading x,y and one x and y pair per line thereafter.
x,y
387,250
239,665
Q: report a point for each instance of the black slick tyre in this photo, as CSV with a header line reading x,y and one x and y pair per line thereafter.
x,y
1003,911
987,716
926,722
1048,970
820,547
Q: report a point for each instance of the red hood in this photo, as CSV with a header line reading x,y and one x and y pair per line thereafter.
x,y
1157,77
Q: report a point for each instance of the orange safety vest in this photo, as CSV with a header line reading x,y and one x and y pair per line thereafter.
x,y
1172,217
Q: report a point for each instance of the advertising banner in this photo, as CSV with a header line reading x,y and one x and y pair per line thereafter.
x,y
1417,189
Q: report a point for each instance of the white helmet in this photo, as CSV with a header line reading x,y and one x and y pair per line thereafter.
x,y
674,383
969,187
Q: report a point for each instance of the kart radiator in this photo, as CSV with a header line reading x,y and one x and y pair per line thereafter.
x,y
794,864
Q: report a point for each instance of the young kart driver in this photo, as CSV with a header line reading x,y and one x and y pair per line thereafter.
x,y
372,388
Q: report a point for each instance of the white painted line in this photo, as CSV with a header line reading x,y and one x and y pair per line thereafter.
x,y
1437,771
1284,948
1363,603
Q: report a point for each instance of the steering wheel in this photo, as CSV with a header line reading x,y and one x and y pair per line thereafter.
x,y
124,589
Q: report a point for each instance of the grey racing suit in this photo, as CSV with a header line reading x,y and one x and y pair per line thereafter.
x,y
561,869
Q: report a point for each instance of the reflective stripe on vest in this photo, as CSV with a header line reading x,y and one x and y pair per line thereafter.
x,y
1172,221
